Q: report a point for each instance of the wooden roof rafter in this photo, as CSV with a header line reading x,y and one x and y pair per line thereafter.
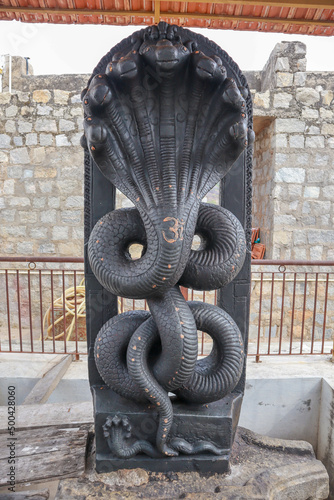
x,y
296,16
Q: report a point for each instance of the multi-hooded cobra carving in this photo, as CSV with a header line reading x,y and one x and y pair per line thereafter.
x,y
164,124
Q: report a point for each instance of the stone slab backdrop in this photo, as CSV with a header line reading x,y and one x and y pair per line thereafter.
x,y
168,115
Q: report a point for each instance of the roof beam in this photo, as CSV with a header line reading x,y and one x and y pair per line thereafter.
x,y
181,15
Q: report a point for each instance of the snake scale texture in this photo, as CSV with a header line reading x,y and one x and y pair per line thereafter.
x,y
164,124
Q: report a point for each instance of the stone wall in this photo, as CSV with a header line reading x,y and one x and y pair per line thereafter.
x,y
41,187
41,161
301,187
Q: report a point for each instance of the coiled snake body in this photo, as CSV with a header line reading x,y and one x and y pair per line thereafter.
x,y
165,158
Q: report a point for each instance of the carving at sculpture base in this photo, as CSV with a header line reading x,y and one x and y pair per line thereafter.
x,y
124,429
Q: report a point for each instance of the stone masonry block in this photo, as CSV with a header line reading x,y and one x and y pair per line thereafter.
x,y
289,125
43,110
28,217
45,125
285,220
60,233
47,248
316,176
311,192
328,129
45,172
10,126
284,79
46,187
18,141
30,187
31,139
61,96
5,97
76,99
281,141
74,202
11,111
24,248
37,155
38,233
49,216
282,64
66,125
326,114
5,141
71,217
46,139
20,156
62,140
3,157
262,99
28,173
282,100
327,97
307,96
24,126
290,175
312,130
311,114
54,202
23,96
297,141
328,192
300,79
316,141
41,96
15,230
330,143
318,236
9,186
14,172
18,201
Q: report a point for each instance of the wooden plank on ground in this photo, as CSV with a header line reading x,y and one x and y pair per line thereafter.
x,y
45,415
47,384
47,453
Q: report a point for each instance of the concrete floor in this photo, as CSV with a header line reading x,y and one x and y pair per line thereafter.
x,y
36,365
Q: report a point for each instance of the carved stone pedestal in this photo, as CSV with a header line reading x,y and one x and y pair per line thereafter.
x,y
212,422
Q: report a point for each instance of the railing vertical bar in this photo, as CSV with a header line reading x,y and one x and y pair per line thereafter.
x,y
133,304
325,315
303,318
19,307
8,313
52,312
30,315
76,313
282,316
41,306
215,299
314,310
259,322
64,311
122,305
293,310
145,305
271,309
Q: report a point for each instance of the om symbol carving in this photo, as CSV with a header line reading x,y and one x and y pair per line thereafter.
x,y
176,229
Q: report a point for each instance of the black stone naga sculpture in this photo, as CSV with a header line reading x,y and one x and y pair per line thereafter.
x,y
164,123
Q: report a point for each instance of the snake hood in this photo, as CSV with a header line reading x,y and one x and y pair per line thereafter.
x,y
164,137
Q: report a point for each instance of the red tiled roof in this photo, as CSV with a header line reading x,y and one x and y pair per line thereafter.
x,y
299,16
